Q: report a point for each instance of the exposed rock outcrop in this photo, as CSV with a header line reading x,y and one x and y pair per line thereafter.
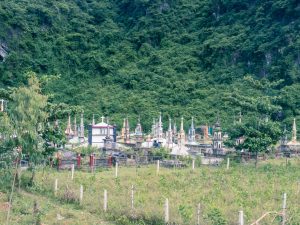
x,y
3,51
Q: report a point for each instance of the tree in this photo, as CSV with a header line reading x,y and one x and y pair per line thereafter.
x,y
6,146
53,137
24,119
27,116
260,130
53,133
258,135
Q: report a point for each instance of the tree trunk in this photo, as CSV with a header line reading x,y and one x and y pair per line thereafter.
x,y
256,159
31,181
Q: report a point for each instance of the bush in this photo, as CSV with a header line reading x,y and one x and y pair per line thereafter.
x,y
86,150
216,217
69,196
6,179
161,153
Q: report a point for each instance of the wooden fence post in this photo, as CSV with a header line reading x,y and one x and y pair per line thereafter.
x,y
116,171
198,214
55,187
105,201
241,217
193,164
157,167
81,194
167,218
228,163
72,171
284,209
78,160
132,197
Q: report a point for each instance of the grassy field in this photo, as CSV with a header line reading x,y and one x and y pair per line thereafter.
x,y
221,193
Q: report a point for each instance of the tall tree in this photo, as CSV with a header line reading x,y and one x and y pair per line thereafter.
x,y
261,128
27,114
24,120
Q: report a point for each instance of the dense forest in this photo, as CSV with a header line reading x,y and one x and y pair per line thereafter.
x,y
138,57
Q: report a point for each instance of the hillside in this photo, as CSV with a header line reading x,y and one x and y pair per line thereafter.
x,y
222,194
131,57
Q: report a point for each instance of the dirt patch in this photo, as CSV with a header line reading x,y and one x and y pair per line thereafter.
x,y
4,206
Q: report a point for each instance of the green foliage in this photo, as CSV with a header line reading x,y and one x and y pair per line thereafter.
x,y
261,129
86,150
216,217
5,182
122,57
22,124
27,116
258,135
53,137
28,123
162,153
61,110
186,212
198,161
7,150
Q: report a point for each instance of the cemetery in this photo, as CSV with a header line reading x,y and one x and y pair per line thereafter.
x,y
123,177
149,112
118,176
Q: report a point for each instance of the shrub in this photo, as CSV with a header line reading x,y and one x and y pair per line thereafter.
x,y
216,217
86,150
161,153
69,196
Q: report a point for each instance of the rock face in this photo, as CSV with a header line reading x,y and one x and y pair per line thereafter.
x,y
3,52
